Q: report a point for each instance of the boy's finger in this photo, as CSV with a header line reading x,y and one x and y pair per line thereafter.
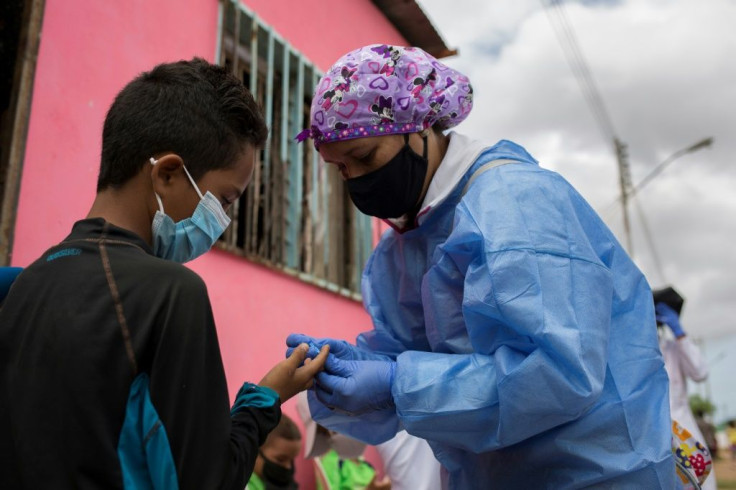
x,y
297,357
317,363
312,352
310,381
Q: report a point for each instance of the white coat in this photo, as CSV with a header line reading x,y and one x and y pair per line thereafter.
x,y
682,360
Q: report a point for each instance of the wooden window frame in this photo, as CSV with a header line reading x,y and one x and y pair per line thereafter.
x,y
296,216
15,127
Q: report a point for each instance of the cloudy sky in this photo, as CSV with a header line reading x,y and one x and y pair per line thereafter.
x,y
666,72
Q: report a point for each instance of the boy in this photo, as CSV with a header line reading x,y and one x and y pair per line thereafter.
x,y
275,463
111,374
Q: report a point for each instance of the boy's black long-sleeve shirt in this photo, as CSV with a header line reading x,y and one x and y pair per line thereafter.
x,y
111,374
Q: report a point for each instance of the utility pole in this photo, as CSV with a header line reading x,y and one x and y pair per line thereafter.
x,y
629,190
624,179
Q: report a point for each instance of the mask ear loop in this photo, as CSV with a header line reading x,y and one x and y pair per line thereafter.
x,y
192,181
423,134
160,203
194,184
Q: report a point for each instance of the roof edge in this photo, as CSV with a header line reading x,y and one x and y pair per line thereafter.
x,y
412,23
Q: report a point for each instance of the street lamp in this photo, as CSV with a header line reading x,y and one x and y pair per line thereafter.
x,y
704,143
628,191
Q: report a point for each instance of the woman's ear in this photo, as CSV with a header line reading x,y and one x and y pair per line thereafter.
x,y
167,173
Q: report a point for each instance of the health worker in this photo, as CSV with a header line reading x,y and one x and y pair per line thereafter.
x,y
511,329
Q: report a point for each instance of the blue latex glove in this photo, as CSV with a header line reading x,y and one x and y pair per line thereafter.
x,y
382,424
356,387
667,315
338,348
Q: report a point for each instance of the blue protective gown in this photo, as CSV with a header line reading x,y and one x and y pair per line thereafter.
x,y
524,338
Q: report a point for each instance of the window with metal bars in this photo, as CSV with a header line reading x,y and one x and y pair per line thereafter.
x,y
296,215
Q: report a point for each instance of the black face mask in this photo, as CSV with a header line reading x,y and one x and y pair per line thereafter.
x,y
394,189
277,477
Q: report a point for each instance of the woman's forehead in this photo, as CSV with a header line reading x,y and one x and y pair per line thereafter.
x,y
351,147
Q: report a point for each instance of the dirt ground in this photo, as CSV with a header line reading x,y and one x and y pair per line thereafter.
x,y
726,472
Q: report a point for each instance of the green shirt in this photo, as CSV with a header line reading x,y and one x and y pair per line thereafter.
x,y
255,483
342,474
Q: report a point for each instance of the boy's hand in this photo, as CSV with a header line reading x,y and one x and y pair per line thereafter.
x,y
376,484
287,378
338,348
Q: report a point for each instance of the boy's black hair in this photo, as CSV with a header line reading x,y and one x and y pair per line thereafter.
x,y
286,429
195,109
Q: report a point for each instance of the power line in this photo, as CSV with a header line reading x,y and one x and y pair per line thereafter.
x,y
650,240
595,96
562,27
565,33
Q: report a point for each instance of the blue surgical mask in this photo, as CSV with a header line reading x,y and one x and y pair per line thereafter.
x,y
190,237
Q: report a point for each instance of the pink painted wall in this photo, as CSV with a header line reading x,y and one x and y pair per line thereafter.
x,y
88,52
257,308
324,31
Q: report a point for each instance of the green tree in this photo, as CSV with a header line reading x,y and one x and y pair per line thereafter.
x,y
702,405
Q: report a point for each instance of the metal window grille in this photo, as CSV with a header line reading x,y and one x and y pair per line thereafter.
x,y
296,215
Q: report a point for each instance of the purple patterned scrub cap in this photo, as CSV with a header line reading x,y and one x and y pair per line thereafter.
x,y
380,89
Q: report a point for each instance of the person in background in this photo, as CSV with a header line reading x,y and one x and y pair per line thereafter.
x,y
410,463
731,434
510,328
274,468
338,459
709,432
110,367
682,360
